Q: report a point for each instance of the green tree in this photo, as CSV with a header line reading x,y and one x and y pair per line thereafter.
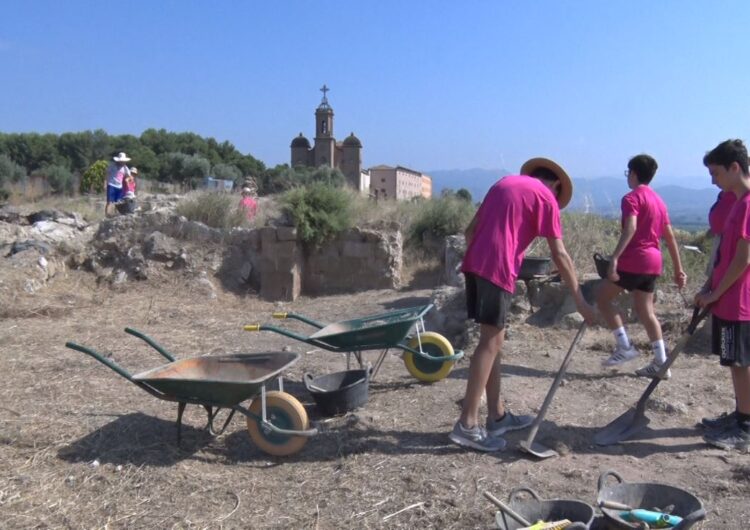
x,y
10,172
227,172
464,194
59,178
93,178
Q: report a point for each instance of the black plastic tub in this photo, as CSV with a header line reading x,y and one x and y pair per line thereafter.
x,y
533,509
339,392
534,267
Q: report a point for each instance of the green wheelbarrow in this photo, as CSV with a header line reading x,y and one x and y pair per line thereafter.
x,y
276,421
428,356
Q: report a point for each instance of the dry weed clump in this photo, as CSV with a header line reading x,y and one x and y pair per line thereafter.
x,y
214,209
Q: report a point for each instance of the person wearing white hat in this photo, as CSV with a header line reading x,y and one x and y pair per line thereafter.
x,y
116,173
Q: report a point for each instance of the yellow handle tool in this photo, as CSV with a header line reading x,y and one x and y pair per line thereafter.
x,y
251,327
279,315
554,525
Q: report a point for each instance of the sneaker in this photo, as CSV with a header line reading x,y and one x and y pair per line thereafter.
x,y
719,423
510,422
476,438
652,370
733,437
620,356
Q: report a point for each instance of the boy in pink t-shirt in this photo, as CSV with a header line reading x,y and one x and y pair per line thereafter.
x,y
729,295
636,264
516,210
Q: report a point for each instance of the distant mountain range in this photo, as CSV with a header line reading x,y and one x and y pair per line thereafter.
x,y
688,208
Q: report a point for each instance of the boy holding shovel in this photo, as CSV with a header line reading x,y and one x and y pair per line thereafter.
x,y
728,294
516,210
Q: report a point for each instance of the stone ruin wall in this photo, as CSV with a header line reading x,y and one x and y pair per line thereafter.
x,y
275,262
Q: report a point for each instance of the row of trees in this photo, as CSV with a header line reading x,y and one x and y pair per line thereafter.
x,y
184,158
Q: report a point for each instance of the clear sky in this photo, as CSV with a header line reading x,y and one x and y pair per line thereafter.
x,y
425,84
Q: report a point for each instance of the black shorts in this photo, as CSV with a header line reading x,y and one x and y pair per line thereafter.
x,y
730,341
486,303
631,281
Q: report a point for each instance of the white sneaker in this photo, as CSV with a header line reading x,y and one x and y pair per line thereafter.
x,y
652,370
620,356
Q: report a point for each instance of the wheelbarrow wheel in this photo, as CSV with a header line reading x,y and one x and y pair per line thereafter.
x,y
285,412
427,370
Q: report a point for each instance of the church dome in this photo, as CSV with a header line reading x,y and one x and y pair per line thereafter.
x,y
352,141
301,141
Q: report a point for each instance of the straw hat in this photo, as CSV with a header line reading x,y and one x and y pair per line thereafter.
x,y
246,190
133,170
566,185
122,157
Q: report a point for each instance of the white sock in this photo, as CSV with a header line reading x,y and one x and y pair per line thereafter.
x,y
660,353
621,336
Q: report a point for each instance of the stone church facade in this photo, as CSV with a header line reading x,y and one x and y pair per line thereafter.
x,y
345,156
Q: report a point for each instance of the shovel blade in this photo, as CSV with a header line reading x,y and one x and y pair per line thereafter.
x,y
537,449
623,428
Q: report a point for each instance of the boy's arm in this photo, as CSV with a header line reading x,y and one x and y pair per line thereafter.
x,y
628,229
680,278
568,272
737,266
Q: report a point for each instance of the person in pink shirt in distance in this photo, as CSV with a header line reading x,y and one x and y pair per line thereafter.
x,y
728,295
516,210
636,264
248,204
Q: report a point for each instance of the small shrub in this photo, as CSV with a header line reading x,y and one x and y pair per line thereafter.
x,y
10,172
319,211
438,218
92,180
214,209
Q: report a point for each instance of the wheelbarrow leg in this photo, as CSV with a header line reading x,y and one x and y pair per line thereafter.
x,y
380,360
180,409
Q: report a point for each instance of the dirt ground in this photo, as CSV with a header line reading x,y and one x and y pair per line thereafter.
x,y
81,447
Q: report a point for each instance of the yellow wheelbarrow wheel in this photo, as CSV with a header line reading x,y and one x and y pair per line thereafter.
x,y
427,370
285,412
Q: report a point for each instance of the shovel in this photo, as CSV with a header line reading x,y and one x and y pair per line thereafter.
x,y
634,420
529,445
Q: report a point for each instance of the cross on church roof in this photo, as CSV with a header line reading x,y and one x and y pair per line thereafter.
x,y
324,102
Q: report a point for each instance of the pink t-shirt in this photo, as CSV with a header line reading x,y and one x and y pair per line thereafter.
x,y
643,254
516,210
734,304
717,216
250,206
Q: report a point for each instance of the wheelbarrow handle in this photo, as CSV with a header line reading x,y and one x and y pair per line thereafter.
x,y
151,342
281,315
99,357
280,331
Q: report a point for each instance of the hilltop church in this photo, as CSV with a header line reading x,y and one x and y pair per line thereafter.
x,y
380,182
345,156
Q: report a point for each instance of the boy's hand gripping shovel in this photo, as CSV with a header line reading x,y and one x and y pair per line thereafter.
x,y
529,445
634,420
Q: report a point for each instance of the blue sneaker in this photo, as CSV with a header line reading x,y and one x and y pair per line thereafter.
x,y
510,422
476,438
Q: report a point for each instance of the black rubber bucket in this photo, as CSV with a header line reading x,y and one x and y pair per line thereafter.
x,y
125,206
339,392
534,267
602,265
649,496
535,509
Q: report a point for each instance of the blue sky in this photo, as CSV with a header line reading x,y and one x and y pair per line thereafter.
x,y
428,85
